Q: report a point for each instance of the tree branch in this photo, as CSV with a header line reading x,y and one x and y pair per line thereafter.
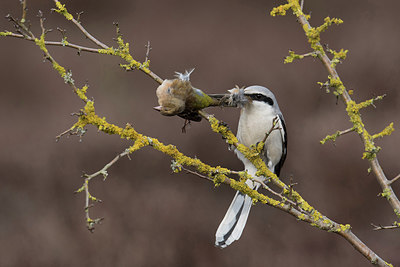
x,y
295,206
363,133
352,108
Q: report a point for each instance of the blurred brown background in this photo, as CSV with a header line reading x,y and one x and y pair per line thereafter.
x,y
153,218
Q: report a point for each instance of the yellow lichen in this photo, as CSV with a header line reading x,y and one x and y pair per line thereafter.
x,y
61,9
82,93
330,137
353,111
302,216
343,228
280,10
337,56
397,213
387,131
6,33
292,56
386,193
123,52
337,84
41,43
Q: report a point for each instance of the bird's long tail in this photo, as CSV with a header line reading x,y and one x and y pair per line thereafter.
x,y
232,225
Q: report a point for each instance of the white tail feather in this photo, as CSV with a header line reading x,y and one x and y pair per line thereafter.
x,y
235,219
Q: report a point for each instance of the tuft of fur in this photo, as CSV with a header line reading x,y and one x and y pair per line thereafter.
x,y
236,97
185,77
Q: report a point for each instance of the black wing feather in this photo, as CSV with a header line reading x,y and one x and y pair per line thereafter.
x,y
278,166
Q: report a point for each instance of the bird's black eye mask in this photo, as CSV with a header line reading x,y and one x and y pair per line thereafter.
x,y
262,98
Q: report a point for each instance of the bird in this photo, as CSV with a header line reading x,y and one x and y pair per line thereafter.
x,y
179,97
259,110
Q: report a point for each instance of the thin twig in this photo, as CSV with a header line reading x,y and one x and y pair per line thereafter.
x,y
394,179
311,54
273,128
24,9
88,197
86,33
148,49
266,187
103,171
346,131
54,43
380,227
77,131
20,27
196,173
69,131
256,179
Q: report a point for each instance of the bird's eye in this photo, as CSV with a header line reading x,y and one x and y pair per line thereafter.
x,y
262,98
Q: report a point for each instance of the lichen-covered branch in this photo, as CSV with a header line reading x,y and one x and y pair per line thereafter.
x,y
352,108
334,136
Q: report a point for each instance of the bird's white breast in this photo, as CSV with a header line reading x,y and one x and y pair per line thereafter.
x,y
255,121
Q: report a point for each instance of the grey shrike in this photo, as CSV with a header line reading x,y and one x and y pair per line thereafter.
x,y
258,110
